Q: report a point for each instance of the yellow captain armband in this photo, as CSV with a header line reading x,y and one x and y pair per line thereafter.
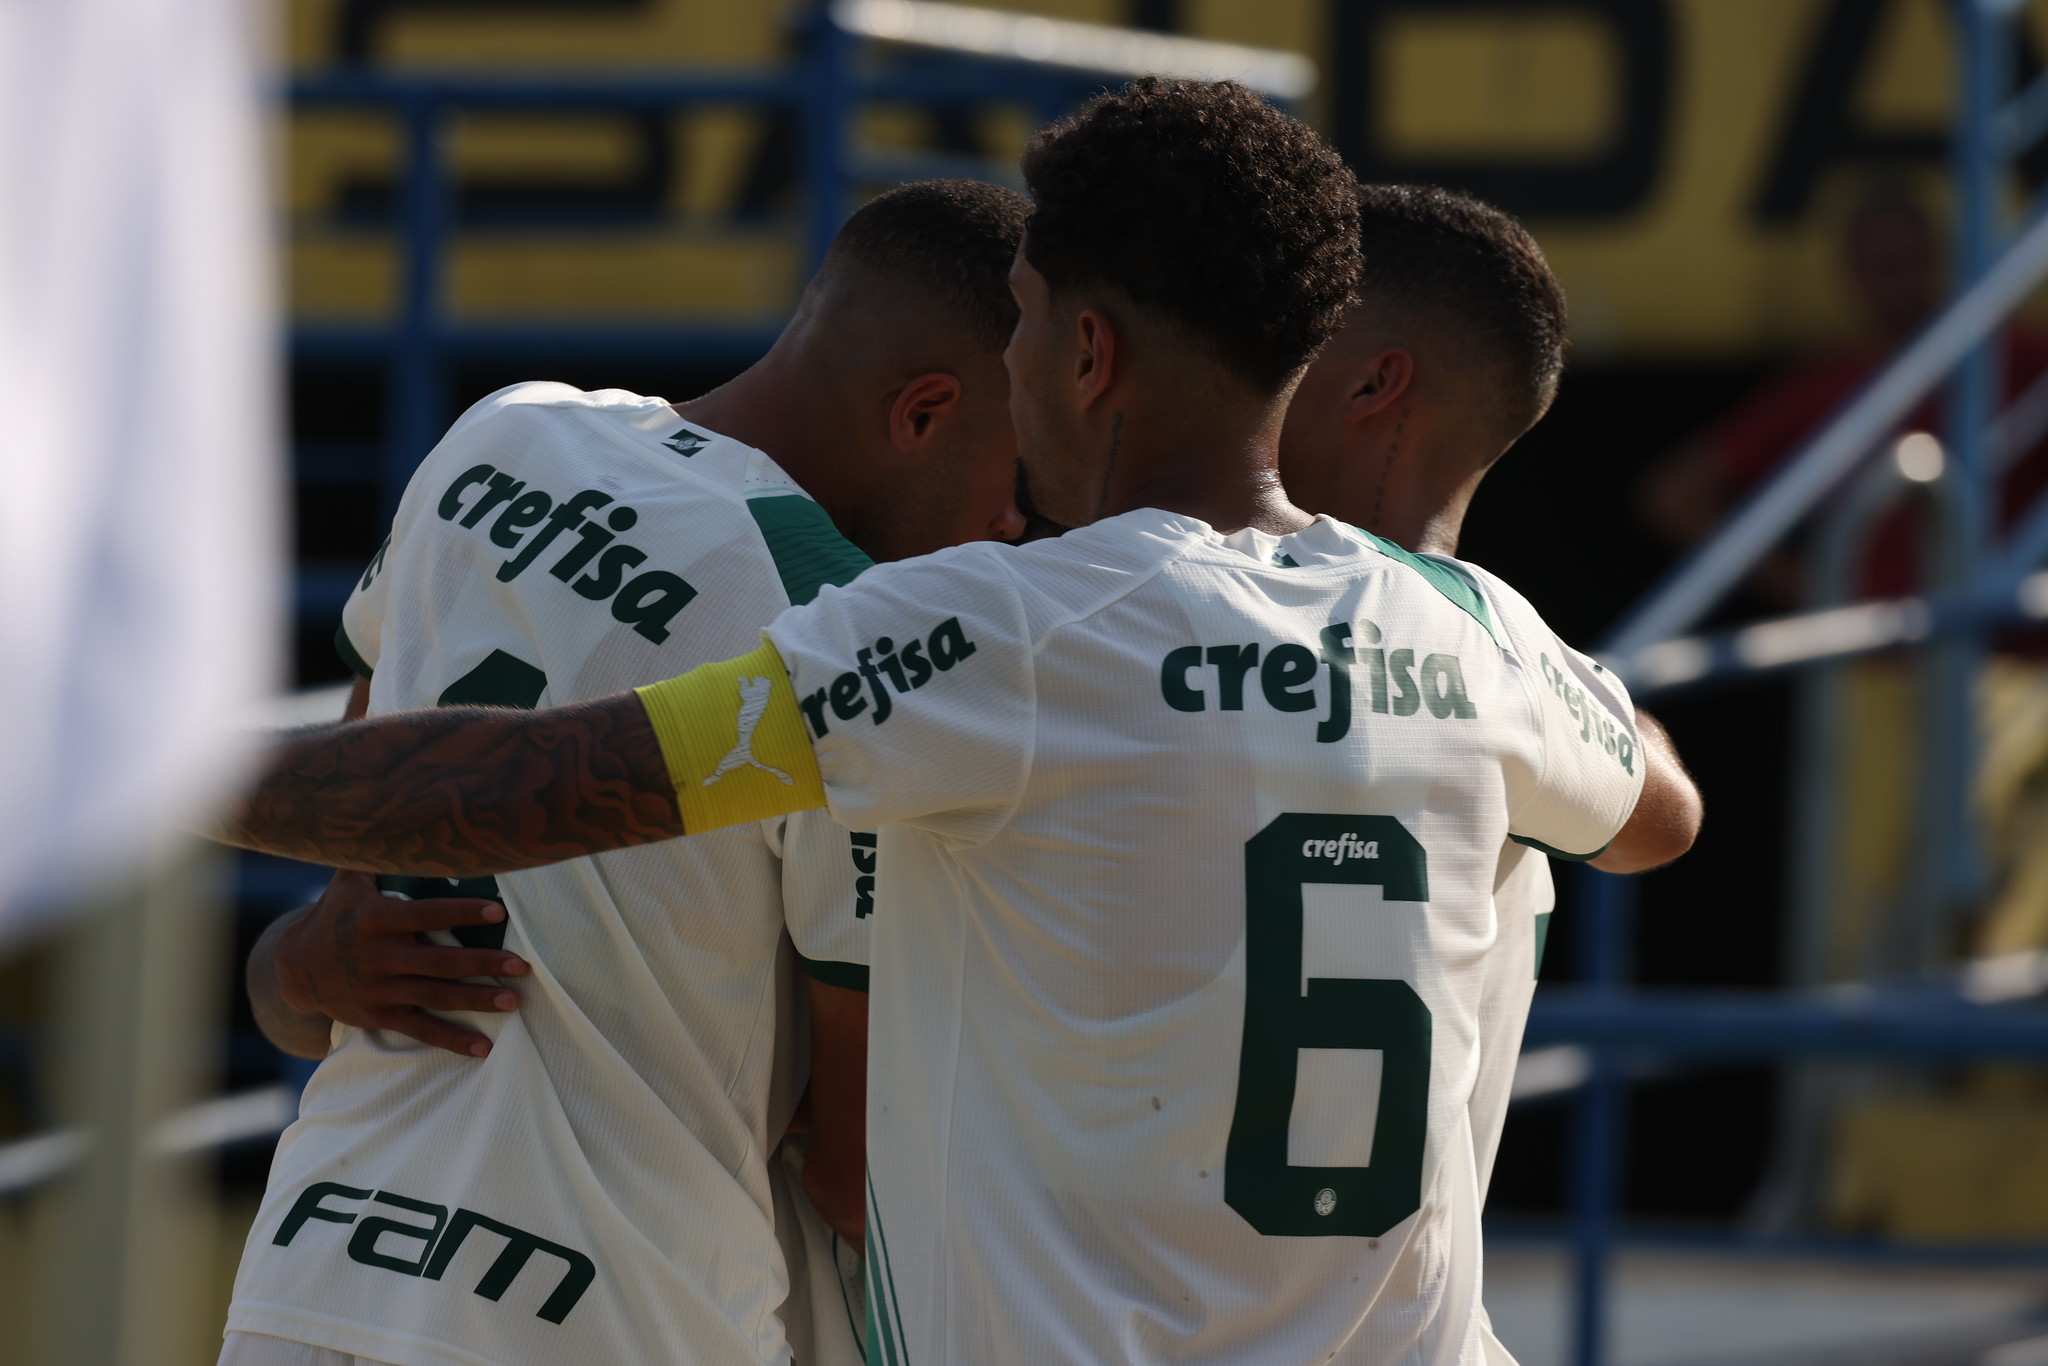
x,y
735,742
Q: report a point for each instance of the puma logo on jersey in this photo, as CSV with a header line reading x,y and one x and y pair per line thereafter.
x,y
754,695
1596,727
647,602
1290,675
882,664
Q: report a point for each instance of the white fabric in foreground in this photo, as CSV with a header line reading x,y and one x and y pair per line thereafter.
x,y
139,531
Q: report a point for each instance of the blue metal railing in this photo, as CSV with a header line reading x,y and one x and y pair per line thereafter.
x,y
1974,590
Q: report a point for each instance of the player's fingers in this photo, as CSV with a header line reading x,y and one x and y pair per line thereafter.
x,y
403,993
393,916
437,1032
412,959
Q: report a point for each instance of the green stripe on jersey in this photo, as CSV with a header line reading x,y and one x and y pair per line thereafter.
x,y
808,549
852,976
889,1317
1542,939
350,655
1559,853
1461,591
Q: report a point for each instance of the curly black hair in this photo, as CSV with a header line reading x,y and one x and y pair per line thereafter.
x,y
1206,205
1444,255
952,239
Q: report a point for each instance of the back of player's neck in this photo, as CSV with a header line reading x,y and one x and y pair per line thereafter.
x,y
1220,464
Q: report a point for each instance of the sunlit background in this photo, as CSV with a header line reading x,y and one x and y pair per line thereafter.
x,y
1819,1138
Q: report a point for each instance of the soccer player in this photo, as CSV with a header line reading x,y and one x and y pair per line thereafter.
x,y
1453,351
1190,816
598,1188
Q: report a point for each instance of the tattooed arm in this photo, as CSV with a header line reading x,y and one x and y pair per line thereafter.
x,y
463,791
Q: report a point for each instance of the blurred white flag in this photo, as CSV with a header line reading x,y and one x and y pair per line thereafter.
x,y
140,568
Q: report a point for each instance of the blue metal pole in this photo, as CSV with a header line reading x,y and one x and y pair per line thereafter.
x,y
828,109
1955,875
416,384
1607,908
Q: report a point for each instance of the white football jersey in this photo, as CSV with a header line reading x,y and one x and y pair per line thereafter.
x,y
600,1188
1191,846
1523,899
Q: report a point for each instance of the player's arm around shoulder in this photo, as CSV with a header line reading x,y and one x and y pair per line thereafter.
x,y
461,791
355,957
1667,815
1595,736
476,791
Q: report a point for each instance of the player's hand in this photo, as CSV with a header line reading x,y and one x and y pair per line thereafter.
x,y
354,956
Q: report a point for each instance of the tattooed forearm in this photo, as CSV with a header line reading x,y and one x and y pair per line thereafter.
x,y
462,791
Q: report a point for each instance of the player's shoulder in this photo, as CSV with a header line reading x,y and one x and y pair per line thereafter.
x,y
1516,620
545,420
534,400
1061,580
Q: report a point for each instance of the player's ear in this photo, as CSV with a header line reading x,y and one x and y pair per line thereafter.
x,y
1095,355
917,405
1379,379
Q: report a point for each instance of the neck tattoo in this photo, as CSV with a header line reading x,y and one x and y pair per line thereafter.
x,y
1379,494
1116,441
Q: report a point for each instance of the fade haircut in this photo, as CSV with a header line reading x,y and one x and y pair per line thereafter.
x,y
1206,206
953,240
1450,259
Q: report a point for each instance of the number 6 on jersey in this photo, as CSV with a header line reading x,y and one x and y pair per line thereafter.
x,y
1282,1016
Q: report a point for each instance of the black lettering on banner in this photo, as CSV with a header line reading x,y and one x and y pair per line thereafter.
x,y
1606,182
1821,128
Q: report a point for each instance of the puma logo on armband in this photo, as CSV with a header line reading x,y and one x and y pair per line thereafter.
x,y
754,695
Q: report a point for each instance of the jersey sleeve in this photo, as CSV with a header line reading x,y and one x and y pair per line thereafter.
x,y
362,616
450,469
1589,768
917,688
828,895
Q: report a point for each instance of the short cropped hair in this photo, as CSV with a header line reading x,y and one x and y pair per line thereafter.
x,y
1450,258
1206,206
953,239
